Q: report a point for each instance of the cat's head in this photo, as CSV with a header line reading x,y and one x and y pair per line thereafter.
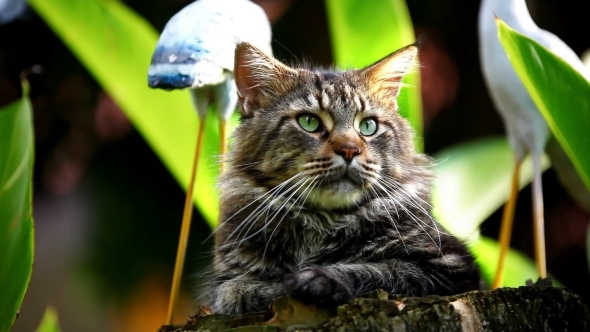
x,y
333,138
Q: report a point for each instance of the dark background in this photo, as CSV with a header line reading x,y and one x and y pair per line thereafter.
x,y
108,212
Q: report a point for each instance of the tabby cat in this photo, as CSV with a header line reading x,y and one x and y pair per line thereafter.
x,y
324,197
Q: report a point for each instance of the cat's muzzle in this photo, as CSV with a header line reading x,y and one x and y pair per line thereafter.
x,y
348,173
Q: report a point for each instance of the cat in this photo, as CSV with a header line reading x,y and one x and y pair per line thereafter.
x,y
324,197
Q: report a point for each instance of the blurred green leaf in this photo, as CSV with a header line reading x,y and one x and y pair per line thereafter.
x,y
473,180
365,31
115,44
49,322
560,92
16,220
519,267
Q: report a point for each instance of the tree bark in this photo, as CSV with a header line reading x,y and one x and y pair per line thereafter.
x,y
536,308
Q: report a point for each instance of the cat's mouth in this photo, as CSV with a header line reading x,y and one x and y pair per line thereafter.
x,y
337,192
340,186
345,174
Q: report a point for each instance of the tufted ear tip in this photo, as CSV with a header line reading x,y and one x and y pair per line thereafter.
x,y
244,49
259,77
385,76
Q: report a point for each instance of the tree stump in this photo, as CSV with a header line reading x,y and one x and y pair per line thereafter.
x,y
536,307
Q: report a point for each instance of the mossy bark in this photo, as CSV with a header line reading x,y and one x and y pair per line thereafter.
x,y
507,309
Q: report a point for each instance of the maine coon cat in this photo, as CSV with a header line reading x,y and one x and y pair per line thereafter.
x,y
324,197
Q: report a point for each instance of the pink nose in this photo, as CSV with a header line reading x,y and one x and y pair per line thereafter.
x,y
348,152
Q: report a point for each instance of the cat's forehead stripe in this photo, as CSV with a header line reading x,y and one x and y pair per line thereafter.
x,y
301,104
318,91
337,92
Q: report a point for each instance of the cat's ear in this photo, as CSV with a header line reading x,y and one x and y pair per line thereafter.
x,y
260,79
384,77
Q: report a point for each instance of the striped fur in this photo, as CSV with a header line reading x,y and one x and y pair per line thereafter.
x,y
298,218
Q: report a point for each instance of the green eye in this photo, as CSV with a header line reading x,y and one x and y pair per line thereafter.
x,y
309,122
368,126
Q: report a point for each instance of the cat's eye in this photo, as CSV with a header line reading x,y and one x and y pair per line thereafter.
x,y
368,126
309,122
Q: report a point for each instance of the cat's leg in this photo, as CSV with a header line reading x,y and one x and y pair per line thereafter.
x,y
236,297
339,283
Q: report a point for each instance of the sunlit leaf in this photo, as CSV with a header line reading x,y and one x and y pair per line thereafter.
x,y
560,92
49,322
473,180
16,220
115,44
519,267
363,32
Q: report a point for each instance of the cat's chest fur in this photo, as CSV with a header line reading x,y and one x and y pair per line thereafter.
x,y
307,244
286,237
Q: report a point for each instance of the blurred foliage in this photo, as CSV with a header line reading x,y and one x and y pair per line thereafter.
x,y
136,240
16,219
50,322
561,93
390,28
520,267
473,181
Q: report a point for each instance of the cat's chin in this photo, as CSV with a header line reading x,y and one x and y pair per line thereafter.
x,y
338,195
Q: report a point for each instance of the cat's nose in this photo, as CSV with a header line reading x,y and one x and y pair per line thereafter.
x,y
348,152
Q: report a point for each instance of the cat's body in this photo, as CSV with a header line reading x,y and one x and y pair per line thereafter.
x,y
324,197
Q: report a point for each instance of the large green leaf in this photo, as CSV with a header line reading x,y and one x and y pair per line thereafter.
x,y
50,322
115,44
366,31
16,220
473,180
560,92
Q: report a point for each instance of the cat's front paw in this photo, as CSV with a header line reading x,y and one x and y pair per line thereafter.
x,y
316,285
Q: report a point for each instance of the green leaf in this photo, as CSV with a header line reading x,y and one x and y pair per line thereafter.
x,y
49,323
115,44
473,180
365,31
519,267
560,92
16,220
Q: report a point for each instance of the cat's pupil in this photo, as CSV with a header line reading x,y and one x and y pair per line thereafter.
x,y
309,122
368,126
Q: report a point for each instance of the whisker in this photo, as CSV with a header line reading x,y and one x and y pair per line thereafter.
x,y
284,215
308,192
399,187
247,165
254,216
412,202
416,205
251,218
391,218
270,192
412,216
